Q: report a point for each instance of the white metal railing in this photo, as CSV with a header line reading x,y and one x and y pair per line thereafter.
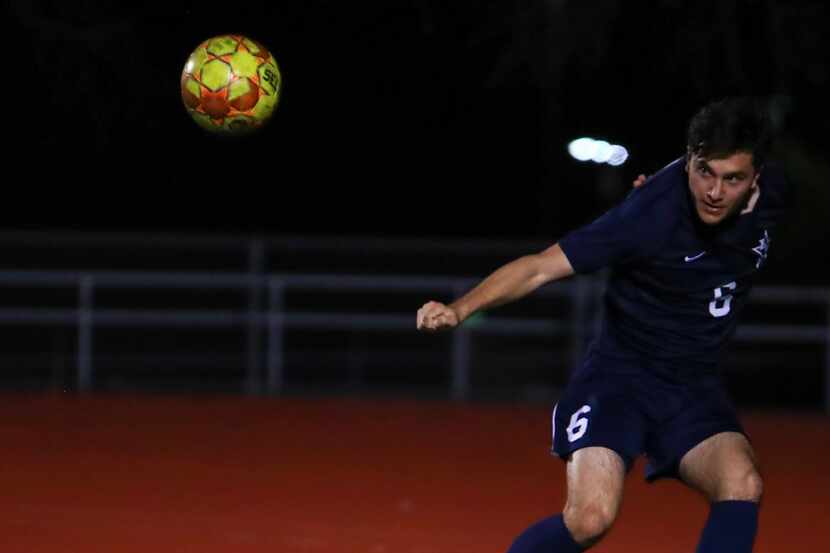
x,y
273,318
265,310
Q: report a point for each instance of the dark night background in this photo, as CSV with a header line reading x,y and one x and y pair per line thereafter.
x,y
409,118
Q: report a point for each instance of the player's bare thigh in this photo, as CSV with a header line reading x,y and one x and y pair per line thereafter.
x,y
723,467
595,478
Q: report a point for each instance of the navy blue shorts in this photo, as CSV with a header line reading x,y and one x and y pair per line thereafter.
x,y
612,404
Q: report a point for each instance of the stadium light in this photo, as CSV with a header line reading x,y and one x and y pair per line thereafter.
x,y
598,151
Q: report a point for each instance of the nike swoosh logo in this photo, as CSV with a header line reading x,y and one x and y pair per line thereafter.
x,y
687,259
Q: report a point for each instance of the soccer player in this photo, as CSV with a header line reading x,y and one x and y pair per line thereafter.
x,y
683,250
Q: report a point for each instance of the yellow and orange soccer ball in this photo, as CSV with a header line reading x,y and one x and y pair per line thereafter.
x,y
231,85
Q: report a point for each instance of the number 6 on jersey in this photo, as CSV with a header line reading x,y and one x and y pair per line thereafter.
x,y
720,306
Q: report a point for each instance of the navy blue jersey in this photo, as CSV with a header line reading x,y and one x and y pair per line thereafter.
x,y
676,285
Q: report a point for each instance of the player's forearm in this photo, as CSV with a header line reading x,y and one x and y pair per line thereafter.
x,y
508,283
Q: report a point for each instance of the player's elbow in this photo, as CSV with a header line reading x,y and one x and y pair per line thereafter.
x,y
552,264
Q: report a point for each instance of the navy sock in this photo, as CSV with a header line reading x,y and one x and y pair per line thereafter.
x,y
546,536
730,528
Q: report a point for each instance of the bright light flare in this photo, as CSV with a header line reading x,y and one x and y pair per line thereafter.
x,y
598,151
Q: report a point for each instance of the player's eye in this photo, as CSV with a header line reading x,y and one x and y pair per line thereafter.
x,y
703,170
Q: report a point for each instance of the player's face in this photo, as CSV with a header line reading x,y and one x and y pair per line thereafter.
x,y
721,187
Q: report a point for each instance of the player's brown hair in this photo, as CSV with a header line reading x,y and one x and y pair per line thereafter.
x,y
730,125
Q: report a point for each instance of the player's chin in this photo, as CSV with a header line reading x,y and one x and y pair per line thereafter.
x,y
711,216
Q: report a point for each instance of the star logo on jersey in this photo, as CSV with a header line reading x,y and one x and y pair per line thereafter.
x,y
762,249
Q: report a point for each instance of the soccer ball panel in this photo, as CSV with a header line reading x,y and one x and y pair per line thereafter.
x,y
216,74
222,45
244,64
243,95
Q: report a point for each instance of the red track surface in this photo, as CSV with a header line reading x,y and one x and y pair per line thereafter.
x,y
206,474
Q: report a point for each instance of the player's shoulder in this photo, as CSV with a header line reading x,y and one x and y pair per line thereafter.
x,y
669,178
662,193
655,209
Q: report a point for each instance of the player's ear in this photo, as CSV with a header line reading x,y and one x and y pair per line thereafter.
x,y
754,184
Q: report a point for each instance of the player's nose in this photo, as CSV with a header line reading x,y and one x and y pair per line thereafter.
x,y
715,193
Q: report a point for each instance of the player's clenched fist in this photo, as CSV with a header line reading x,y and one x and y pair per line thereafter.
x,y
436,316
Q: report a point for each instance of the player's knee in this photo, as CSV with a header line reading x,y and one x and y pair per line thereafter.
x,y
744,486
588,524
752,487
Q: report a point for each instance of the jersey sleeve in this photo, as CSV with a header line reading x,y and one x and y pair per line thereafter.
x,y
633,229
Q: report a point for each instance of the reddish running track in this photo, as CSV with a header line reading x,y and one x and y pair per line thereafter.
x,y
229,474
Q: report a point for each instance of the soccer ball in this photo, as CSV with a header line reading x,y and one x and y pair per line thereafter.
x,y
231,85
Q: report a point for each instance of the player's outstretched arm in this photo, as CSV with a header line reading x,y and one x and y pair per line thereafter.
x,y
508,283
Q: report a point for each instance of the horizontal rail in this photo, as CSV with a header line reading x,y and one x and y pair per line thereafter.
x,y
228,318
153,279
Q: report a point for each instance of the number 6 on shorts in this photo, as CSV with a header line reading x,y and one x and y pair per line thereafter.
x,y
578,426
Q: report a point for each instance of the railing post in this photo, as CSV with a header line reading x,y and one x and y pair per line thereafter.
x,y
460,377
275,377
85,328
256,268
